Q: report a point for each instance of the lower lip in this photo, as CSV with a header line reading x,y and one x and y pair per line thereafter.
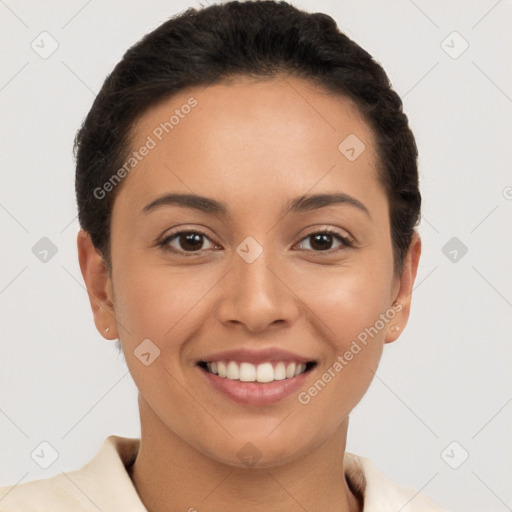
x,y
256,393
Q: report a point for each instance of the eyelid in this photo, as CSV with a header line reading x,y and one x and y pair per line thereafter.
x,y
347,242
325,228
164,241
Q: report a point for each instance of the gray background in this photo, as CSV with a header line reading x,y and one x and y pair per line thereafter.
x,y
446,379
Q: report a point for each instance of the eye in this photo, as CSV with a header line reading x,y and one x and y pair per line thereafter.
x,y
187,242
322,241
191,242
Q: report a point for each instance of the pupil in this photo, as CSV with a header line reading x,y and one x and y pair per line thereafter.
x,y
189,240
322,237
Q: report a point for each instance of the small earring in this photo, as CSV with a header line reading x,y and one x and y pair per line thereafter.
x,y
395,328
107,329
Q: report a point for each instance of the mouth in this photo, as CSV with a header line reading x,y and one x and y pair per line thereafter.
x,y
260,377
257,384
262,373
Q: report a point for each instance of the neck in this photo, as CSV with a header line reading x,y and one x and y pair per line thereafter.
x,y
171,475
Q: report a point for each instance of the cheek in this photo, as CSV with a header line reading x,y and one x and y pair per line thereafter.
x,y
348,300
159,302
347,311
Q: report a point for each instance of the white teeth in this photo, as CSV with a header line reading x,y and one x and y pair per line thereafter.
x,y
280,371
247,372
290,371
233,373
265,372
300,369
221,368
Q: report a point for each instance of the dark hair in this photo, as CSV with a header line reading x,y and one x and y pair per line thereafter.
x,y
260,39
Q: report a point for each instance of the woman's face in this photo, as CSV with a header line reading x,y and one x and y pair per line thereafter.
x,y
262,276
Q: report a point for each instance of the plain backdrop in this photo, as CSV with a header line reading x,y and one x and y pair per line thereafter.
x,y
438,415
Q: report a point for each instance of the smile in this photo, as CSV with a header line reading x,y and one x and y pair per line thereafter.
x,y
262,373
261,383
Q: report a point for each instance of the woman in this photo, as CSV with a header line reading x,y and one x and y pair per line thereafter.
x,y
248,194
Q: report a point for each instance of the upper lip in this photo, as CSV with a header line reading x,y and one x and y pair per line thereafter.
x,y
256,356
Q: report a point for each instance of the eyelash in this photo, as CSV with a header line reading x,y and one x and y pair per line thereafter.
x,y
164,244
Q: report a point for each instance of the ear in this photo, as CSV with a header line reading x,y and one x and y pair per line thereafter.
x,y
99,286
404,294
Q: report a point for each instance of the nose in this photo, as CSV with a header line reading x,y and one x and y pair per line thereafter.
x,y
257,295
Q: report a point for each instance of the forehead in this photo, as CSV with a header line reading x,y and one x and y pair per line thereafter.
x,y
248,138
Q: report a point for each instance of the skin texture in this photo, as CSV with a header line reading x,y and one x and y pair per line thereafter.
x,y
254,145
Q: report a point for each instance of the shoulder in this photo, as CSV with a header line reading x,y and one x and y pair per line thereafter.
x,y
380,493
54,493
101,484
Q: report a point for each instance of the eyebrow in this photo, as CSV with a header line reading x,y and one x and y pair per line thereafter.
x,y
306,202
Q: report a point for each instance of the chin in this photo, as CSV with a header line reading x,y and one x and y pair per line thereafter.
x,y
258,451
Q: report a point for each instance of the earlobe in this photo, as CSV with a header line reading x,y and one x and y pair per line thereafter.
x,y
98,284
404,296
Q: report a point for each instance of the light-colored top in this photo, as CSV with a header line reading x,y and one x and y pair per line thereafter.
x,y
104,484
